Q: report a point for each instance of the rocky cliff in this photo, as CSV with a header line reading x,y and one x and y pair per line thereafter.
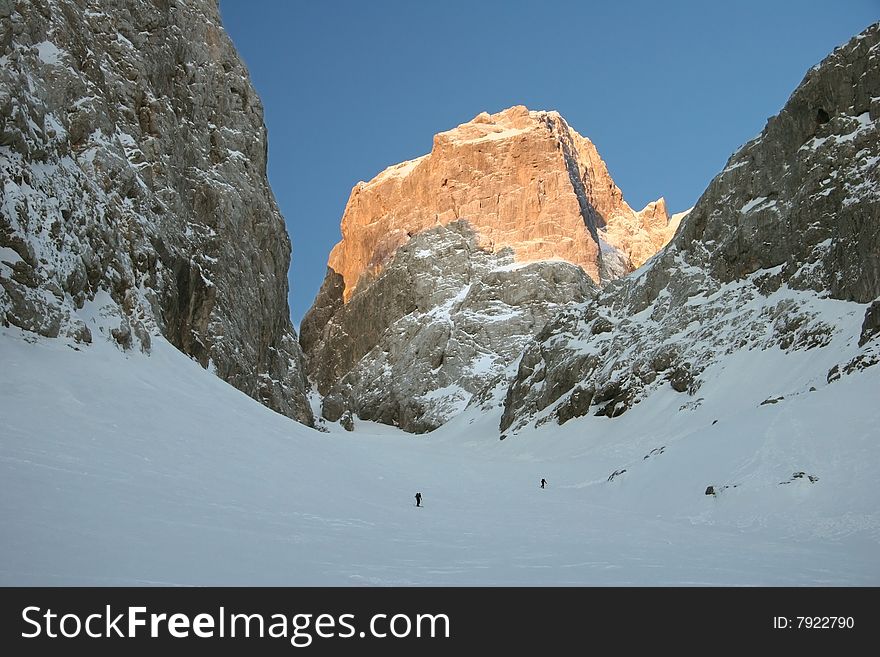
x,y
135,199
430,293
523,180
781,253
443,319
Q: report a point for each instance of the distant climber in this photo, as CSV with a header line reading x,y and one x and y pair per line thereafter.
x,y
543,482
418,499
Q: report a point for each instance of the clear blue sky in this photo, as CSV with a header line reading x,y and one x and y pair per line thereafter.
x,y
666,90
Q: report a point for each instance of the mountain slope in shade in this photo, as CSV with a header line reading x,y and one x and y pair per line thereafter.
x,y
442,320
133,170
782,239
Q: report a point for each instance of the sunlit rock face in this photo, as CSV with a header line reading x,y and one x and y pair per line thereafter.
x,y
523,180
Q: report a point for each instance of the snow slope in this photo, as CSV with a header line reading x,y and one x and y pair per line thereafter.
x,y
122,468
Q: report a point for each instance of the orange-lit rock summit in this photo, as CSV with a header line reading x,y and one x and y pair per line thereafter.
x,y
522,179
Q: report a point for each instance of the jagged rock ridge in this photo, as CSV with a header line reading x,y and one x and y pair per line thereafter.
x,y
135,199
782,251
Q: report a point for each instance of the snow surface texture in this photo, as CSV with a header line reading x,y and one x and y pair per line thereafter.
x,y
119,468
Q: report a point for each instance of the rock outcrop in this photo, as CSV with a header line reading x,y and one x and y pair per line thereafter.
x,y
443,319
517,187
783,237
134,190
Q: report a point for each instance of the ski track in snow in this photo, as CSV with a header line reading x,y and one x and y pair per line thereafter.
x,y
126,469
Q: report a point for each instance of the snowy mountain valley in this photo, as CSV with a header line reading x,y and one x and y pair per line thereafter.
x,y
699,389
127,469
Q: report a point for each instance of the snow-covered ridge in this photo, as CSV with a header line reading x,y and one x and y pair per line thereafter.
x,y
778,254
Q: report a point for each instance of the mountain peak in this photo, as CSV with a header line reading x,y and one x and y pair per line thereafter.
x,y
523,179
452,262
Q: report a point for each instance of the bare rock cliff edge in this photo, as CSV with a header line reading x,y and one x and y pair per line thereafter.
x,y
133,191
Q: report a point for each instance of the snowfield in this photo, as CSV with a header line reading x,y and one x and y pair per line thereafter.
x,y
121,468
